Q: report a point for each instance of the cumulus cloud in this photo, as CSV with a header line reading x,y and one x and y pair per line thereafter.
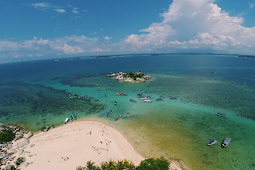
x,y
191,24
69,49
107,38
75,11
60,11
42,5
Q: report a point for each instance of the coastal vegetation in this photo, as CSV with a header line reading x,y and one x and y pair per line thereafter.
x,y
130,77
6,136
147,164
133,75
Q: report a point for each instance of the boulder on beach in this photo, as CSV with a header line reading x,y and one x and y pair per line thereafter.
x,y
21,151
1,129
27,135
23,143
11,151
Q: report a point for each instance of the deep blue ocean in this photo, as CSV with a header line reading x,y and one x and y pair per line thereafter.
x,y
35,94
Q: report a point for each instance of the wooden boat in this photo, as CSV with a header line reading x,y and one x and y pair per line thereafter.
x,y
109,113
212,142
173,97
147,101
145,98
96,100
115,102
74,116
225,142
139,95
159,99
162,97
73,97
133,100
103,113
71,117
118,117
221,114
149,97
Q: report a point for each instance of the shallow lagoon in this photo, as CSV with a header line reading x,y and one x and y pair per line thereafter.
x,y
36,95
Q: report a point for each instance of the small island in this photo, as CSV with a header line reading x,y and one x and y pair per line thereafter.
x,y
130,77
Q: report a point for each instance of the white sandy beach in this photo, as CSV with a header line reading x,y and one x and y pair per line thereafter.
x,y
72,145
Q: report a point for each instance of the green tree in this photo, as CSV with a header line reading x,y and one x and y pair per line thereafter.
x,y
80,168
154,164
6,136
129,165
90,165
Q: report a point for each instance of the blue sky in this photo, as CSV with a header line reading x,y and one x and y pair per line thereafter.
x,y
32,30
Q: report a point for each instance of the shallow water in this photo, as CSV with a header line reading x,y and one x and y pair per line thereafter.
x,y
36,95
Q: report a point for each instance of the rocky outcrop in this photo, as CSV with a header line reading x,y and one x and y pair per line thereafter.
x,y
27,135
9,150
23,143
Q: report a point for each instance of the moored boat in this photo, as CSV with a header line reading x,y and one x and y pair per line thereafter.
x,y
66,120
103,113
212,142
74,116
115,102
162,96
71,117
147,101
173,97
221,114
149,97
117,117
133,100
145,98
225,142
159,99
109,113
96,100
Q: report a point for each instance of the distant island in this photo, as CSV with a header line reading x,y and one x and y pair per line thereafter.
x,y
246,56
130,77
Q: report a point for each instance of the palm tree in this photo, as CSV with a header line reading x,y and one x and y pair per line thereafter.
x,y
128,164
120,165
80,168
90,165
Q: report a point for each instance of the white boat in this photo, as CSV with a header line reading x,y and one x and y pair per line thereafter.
x,y
145,98
226,142
212,142
147,101
67,119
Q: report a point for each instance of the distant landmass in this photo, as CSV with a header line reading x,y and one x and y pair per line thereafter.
x,y
158,54
246,56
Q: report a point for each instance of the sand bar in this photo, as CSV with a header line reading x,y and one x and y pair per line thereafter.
x,y
73,144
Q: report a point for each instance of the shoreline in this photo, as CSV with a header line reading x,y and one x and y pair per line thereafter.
x,y
73,127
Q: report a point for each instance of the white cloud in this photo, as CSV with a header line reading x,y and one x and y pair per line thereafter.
x,y
69,49
61,11
43,5
191,24
41,41
75,11
251,5
107,38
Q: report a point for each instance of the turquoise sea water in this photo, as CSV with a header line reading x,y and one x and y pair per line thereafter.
x,y
36,95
